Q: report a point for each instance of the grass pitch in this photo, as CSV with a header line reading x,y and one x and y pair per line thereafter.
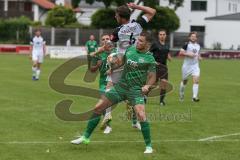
x,y
31,131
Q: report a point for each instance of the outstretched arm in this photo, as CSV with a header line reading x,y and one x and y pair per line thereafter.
x,y
149,12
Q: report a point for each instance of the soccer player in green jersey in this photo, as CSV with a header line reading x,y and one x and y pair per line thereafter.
x,y
99,62
139,74
91,46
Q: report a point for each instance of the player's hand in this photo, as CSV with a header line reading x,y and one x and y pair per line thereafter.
x,y
200,58
93,54
145,89
109,72
132,5
101,49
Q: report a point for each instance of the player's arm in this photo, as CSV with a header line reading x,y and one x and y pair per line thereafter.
x,y
31,48
187,54
169,57
44,48
149,12
184,53
94,68
199,56
86,46
99,51
151,79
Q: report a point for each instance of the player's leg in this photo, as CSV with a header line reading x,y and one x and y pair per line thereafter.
x,y
163,84
105,125
93,121
40,61
163,87
145,127
182,88
195,78
34,65
38,71
185,73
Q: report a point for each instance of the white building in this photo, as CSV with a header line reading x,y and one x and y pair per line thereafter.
x,y
194,17
193,12
87,11
224,30
34,9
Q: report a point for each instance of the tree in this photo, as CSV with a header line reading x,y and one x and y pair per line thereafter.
x,y
104,18
60,16
176,3
165,18
75,3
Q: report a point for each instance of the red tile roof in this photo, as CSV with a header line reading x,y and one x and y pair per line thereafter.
x,y
44,4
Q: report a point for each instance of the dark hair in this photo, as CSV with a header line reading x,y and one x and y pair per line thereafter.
x,y
123,12
191,33
163,30
147,36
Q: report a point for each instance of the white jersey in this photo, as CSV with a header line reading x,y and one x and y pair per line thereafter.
x,y
127,34
37,44
194,48
190,65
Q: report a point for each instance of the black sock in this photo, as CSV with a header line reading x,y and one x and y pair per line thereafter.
x,y
162,94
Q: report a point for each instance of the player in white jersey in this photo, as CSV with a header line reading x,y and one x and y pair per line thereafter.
x,y
37,52
125,36
190,67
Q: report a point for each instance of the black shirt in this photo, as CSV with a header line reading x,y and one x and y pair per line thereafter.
x,y
160,52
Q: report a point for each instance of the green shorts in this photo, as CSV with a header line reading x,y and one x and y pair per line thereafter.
x,y
120,93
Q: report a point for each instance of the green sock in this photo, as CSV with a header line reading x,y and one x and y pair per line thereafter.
x,y
134,117
92,124
145,128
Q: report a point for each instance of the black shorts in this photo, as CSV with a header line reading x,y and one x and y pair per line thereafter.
x,y
161,72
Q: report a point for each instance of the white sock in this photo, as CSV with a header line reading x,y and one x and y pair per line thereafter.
x,y
195,90
182,87
38,73
108,113
34,69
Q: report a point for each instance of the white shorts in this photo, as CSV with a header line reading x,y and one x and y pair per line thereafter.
x,y
37,56
114,77
190,70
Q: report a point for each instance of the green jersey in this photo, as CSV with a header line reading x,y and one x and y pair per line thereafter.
x,y
136,68
102,70
91,46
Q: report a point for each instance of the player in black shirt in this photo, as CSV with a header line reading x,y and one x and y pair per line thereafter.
x,y
161,54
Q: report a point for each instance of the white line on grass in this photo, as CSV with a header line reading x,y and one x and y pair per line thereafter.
x,y
218,137
154,141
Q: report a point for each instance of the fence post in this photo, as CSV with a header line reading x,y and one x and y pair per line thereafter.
x,y
17,35
30,30
171,40
52,36
77,36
